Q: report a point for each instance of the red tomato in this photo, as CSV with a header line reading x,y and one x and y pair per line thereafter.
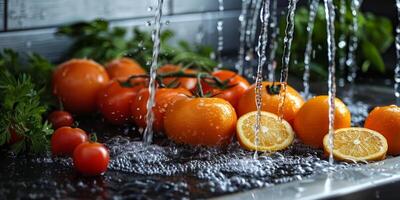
x,y
91,158
236,86
164,98
114,102
201,121
65,139
188,83
15,137
77,82
60,118
123,68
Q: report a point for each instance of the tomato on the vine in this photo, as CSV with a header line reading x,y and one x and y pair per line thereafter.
x,y
65,139
235,86
76,84
184,82
60,118
164,98
201,121
122,68
114,102
91,158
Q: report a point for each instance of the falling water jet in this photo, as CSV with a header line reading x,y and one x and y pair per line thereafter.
x,y
261,47
287,44
330,26
148,132
242,46
342,43
274,28
307,53
353,45
220,32
397,69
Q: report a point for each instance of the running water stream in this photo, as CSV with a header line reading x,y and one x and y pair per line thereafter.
x,y
397,69
220,32
353,45
342,43
330,27
274,28
251,30
148,132
262,45
307,53
287,44
243,28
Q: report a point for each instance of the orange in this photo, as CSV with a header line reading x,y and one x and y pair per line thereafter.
x,y
357,144
270,102
122,68
311,123
274,134
386,120
200,121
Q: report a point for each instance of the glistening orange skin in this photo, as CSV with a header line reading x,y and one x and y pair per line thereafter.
x,y
91,158
311,123
114,102
122,68
77,82
187,83
231,94
386,121
201,121
270,102
65,139
164,98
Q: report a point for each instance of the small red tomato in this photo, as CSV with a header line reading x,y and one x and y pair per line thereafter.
x,y
114,102
15,137
91,158
235,88
65,139
60,118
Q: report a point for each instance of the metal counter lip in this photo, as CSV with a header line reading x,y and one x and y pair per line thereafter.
x,y
342,182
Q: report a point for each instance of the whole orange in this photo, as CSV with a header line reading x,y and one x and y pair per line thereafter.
x,y
201,121
311,123
270,101
77,82
386,120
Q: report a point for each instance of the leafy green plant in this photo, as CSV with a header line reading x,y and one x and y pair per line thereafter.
x,y
98,41
375,35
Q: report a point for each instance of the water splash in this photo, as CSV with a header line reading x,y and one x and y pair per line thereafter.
x,y
308,51
330,27
262,45
353,45
148,132
220,32
273,45
342,43
397,69
242,46
287,44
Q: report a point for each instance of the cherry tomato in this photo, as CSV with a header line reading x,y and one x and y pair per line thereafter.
x,y
235,88
123,68
14,137
60,118
201,121
91,158
188,83
65,139
114,102
77,82
164,98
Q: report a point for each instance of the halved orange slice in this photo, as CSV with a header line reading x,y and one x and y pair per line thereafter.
x,y
357,144
274,134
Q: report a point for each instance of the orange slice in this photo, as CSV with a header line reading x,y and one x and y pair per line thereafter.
x,y
357,144
274,134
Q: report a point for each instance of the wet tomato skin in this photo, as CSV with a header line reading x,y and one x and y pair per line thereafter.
x,y
164,98
114,102
65,139
76,84
60,118
122,68
91,158
184,82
